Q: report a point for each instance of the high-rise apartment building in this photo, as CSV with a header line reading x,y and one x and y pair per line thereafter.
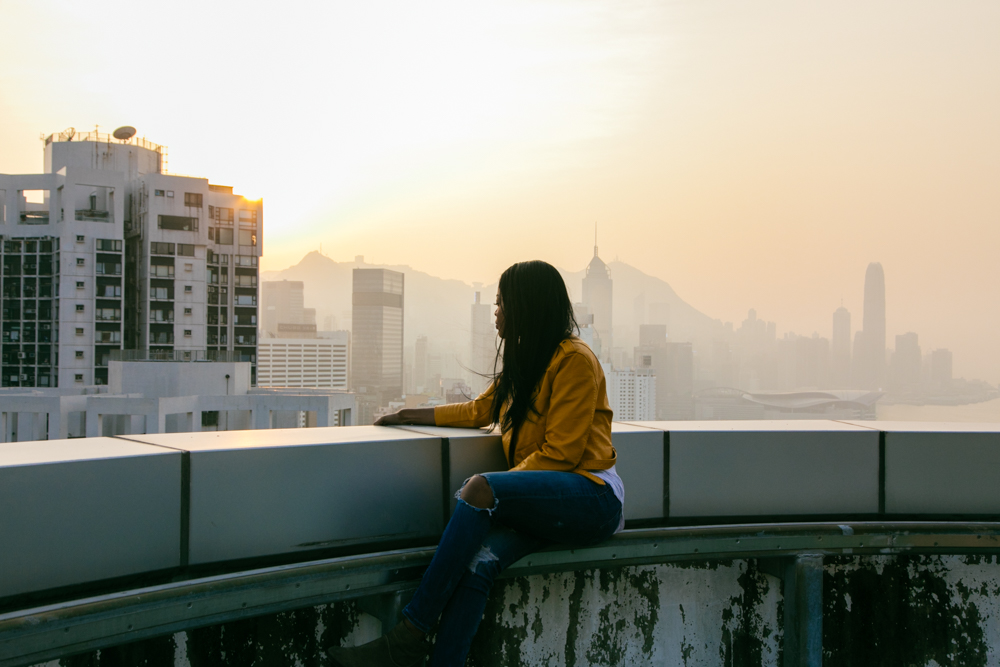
x,y
597,286
483,350
104,250
840,349
632,393
871,356
377,333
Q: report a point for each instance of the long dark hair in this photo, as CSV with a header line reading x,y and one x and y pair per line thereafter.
x,y
538,316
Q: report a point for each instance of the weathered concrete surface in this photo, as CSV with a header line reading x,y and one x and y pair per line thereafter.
x,y
879,610
906,610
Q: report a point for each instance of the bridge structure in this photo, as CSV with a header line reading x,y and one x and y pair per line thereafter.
x,y
746,543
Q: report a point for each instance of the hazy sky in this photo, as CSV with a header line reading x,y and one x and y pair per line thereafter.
x,y
753,154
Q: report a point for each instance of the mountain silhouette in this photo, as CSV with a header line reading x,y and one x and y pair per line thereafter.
x,y
439,308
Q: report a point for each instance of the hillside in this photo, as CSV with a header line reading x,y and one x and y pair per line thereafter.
x,y
439,308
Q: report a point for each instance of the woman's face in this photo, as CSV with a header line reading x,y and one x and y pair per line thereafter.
x,y
499,316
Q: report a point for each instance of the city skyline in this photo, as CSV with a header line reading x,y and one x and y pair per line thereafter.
x,y
751,158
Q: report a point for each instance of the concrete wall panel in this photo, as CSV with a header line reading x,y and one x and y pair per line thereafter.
x,y
770,468
263,493
640,465
75,511
941,468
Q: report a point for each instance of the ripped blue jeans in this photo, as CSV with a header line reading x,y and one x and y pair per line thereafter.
x,y
532,509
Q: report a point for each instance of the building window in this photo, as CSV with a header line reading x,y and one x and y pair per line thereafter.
x,y
192,199
187,311
178,223
221,214
158,248
248,217
80,284
79,261
189,267
79,238
79,331
221,236
79,354
157,193
185,249
187,289
187,333
248,238
170,193
78,377
79,307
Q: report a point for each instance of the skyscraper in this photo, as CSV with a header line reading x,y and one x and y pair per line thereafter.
x,y
907,361
483,352
597,285
377,334
841,348
872,356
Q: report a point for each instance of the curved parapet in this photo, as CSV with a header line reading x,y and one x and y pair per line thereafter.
x,y
114,540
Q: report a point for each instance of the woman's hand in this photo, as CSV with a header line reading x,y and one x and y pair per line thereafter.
x,y
390,420
415,416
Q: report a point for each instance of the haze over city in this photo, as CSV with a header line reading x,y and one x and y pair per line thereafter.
x,y
751,157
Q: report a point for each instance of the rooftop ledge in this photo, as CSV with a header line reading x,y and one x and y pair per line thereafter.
x,y
173,513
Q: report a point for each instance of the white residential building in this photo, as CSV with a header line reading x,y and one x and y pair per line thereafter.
x,y
632,394
105,251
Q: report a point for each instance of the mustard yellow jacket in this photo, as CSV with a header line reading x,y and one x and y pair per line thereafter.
x,y
572,430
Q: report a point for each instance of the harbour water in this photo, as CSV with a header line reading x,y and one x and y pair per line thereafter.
x,y
987,412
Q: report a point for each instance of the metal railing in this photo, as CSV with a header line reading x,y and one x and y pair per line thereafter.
x,y
175,355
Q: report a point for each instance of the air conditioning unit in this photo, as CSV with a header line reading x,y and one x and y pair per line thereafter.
x,y
24,376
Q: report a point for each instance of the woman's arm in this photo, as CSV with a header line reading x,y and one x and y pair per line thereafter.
x,y
413,416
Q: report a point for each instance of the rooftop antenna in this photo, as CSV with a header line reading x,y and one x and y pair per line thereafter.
x,y
595,239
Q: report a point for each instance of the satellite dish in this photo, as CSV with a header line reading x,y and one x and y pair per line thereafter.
x,y
70,133
124,133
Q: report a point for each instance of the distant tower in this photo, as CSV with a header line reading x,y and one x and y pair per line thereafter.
x,y
483,343
377,352
873,325
841,351
597,297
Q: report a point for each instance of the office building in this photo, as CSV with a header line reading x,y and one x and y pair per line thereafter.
x,y
377,340
870,356
105,251
283,302
907,362
484,344
597,296
672,365
940,371
304,362
840,348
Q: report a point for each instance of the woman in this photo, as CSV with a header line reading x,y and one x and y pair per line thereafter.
x,y
550,403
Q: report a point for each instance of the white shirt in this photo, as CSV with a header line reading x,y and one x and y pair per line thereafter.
x,y
611,478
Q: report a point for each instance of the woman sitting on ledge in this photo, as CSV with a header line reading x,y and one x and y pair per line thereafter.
x,y
550,403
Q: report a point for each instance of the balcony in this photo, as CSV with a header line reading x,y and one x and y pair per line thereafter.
x,y
92,215
746,543
34,217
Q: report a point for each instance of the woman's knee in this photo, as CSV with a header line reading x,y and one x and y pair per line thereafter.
x,y
477,492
